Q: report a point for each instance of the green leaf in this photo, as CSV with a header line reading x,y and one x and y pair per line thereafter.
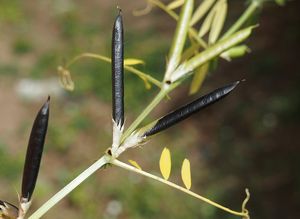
x,y
129,62
218,21
135,164
235,52
199,76
210,53
206,25
186,174
175,4
201,11
165,163
179,37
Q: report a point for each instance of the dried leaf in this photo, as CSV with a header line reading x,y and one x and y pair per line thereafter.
x,y
165,163
201,11
129,62
218,21
135,164
186,173
65,78
175,4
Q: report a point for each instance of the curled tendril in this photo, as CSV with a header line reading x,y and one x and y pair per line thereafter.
x,y
244,210
144,11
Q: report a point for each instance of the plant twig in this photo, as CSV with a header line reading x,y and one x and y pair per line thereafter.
x,y
137,72
173,185
70,187
244,17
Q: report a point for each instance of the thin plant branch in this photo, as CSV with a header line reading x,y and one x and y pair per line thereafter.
x,y
70,187
142,75
242,20
123,165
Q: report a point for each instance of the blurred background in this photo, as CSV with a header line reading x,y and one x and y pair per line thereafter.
x,y
247,140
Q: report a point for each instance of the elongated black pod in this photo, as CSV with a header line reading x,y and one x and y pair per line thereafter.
x,y
189,109
118,70
34,151
8,211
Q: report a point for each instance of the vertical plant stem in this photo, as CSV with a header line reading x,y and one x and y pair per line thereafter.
x,y
179,38
173,185
70,187
244,17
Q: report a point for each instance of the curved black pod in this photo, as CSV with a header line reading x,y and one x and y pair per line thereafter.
x,y
34,151
117,59
190,108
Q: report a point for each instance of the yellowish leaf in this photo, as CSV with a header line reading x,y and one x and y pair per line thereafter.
x,y
199,76
235,52
205,27
135,164
218,21
186,173
133,62
175,4
165,163
191,51
201,11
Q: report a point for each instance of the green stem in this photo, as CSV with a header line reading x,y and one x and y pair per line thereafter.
x,y
173,185
245,16
70,187
162,93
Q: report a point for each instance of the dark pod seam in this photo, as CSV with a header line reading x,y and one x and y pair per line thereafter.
x,y
189,109
118,70
34,151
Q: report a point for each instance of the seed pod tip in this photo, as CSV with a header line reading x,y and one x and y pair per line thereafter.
x,y
119,10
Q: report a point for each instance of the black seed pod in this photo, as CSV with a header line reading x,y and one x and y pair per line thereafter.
x,y
34,151
8,211
189,109
118,70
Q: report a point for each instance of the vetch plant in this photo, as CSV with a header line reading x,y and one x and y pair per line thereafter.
x,y
197,44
